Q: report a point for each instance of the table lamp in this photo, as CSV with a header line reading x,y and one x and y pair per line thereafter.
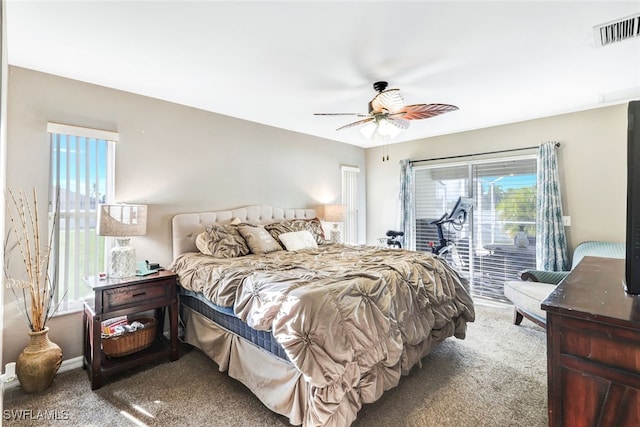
x,y
334,214
122,221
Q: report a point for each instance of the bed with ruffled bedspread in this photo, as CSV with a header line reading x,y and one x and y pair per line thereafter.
x,y
351,319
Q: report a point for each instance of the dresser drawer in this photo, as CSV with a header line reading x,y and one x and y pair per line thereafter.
x,y
138,294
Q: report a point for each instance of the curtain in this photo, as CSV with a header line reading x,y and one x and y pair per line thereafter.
x,y
551,242
407,219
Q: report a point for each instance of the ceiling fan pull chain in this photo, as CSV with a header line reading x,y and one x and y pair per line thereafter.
x,y
385,150
386,145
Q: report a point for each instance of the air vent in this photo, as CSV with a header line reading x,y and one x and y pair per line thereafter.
x,y
616,31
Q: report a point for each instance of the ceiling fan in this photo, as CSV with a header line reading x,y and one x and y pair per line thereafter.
x,y
388,114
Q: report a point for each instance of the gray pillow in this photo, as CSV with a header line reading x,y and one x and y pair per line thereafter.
x,y
259,240
222,241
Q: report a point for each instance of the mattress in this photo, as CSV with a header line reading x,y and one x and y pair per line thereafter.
x,y
225,318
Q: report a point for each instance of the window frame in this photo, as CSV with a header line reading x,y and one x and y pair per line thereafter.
x,y
471,191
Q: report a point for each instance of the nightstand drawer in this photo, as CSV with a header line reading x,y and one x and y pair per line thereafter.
x,y
113,299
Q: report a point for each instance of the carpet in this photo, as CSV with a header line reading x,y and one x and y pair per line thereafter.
x,y
494,377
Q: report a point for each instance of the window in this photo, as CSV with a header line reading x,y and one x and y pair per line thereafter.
x,y
498,239
82,164
350,200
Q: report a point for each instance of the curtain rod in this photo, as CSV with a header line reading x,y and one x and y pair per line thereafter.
x,y
477,154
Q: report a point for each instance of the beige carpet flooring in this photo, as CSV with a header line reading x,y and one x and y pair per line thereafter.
x,y
495,377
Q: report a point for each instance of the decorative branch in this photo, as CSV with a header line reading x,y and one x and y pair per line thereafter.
x,y
25,226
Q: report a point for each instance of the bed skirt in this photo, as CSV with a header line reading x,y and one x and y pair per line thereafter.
x,y
278,384
275,381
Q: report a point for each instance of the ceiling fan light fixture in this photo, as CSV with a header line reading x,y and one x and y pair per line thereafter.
x,y
386,128
368,129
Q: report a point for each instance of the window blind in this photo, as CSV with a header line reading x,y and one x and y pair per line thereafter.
x,y
350,200
81,178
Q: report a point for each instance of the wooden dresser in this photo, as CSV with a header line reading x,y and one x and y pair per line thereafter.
x,y
593,348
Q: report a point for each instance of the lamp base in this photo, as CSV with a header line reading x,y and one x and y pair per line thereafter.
x,y
336,236
122,260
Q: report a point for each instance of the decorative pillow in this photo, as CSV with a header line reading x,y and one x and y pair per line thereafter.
x,y
296,240
222,241
315,228
288,226
259,240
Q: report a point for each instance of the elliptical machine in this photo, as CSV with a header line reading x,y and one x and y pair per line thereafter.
x,y
455,219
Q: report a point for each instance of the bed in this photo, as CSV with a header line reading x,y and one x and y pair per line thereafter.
x,y
314,332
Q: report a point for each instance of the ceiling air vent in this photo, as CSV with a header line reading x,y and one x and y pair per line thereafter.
x,y
616,31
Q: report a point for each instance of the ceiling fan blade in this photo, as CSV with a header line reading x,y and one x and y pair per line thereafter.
x,y
389,100
359,122
342,114
423,111
400,123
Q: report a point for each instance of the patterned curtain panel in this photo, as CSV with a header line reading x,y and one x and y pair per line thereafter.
x,y
407,212
551,246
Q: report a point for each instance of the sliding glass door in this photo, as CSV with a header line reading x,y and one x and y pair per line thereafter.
x,y
498,239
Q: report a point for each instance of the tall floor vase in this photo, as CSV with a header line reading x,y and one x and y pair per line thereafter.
x,y
39,362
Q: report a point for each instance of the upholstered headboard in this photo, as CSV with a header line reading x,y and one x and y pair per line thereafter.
x,y
186,227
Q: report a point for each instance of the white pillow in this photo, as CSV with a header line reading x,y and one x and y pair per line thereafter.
x,y
296,240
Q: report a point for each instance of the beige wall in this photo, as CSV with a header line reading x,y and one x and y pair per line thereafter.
x,y
171,157
179,159
592,163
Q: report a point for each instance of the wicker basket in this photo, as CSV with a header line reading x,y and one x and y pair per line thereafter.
x,y
130,342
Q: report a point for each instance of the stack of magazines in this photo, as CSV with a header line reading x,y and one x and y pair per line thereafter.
x,y
119,325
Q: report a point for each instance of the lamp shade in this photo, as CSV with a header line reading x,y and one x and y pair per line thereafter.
x,y
334,213
368,129
387,128
383,127
122,220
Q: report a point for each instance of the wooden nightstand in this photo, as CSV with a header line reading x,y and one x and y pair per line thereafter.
x,y
119,297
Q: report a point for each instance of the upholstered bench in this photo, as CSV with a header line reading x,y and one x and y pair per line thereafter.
x,y
527,294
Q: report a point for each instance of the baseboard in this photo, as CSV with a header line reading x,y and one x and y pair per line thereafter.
x,y
67,365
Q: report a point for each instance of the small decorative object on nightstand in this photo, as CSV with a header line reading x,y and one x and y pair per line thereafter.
x,y
124,297
122,221
334,214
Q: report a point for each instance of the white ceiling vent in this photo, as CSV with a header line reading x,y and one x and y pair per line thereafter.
x,y
616,31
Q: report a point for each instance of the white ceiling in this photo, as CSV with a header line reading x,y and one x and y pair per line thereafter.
x,y
277,63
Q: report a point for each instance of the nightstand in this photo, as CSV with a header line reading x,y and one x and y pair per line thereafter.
x,y
119,297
